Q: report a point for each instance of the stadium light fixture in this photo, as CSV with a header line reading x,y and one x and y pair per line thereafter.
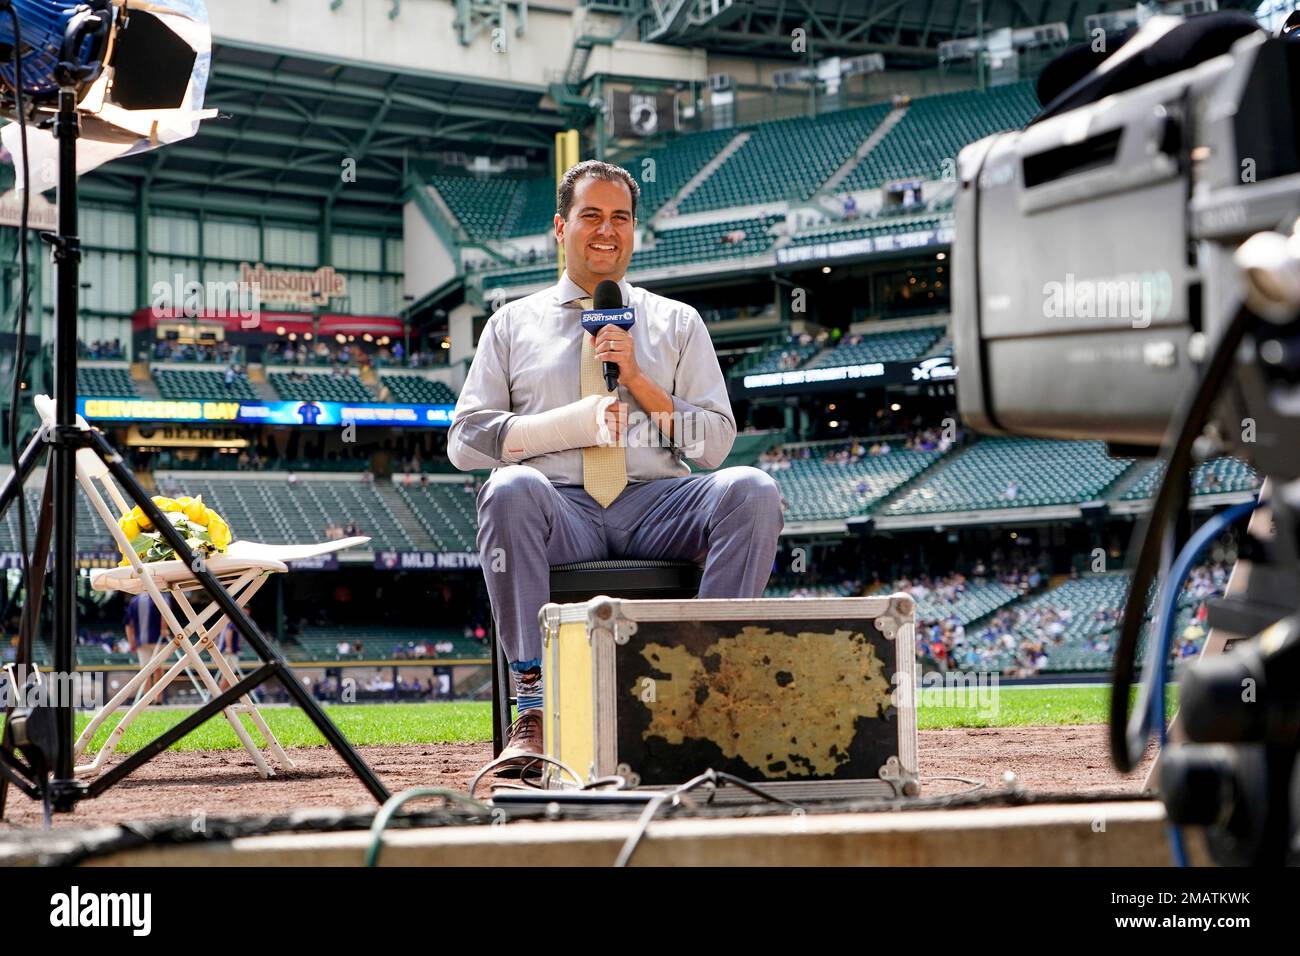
x,y
137,76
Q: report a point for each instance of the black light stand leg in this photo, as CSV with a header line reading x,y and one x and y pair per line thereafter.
x,y
250,631
31,620
27,460
65,789
164,740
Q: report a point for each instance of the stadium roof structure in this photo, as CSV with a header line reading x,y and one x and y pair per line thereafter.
x,y
288,123
904,30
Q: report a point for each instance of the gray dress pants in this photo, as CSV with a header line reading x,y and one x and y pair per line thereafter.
x,y
728,521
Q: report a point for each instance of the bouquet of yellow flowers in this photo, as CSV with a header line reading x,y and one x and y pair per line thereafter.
x,y
205,531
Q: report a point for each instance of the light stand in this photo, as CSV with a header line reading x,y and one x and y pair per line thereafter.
x,y
37,750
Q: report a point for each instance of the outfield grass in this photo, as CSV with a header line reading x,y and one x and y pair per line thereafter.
x,y
463,721
362,724
1023,707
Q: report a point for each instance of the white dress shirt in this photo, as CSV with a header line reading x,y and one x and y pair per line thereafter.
x,y
527,362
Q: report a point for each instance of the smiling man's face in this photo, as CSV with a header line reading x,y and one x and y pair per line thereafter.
x,y
599,234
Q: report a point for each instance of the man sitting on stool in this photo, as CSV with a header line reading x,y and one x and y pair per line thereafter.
x,y
584,474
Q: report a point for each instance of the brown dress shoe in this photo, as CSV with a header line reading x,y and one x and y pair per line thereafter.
x,y
524,738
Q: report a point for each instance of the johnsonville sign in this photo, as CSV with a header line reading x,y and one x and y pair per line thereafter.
x,y
294,288
41,213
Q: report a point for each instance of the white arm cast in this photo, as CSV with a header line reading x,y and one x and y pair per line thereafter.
x,y
577,425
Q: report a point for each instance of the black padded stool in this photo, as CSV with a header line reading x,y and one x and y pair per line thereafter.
x,y
571,583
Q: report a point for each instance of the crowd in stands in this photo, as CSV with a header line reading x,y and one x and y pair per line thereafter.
x,y
418,451
417,651
336,532
302,378
1018,638
101,350
781,458
793,356
1028,634
938,636
380,686
355,354
515,257
165,350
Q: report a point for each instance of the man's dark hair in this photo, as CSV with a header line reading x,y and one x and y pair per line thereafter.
x,y
594,169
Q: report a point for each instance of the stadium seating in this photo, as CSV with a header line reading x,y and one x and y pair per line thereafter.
x,y
775,358
527,275
705,242
786,159
935,129
92,536
1218,476
320,643
196,383
416,390
274,511
873,228
673,163
671,247
502,208
480,203
1078,604
976,601
747,447
832,589
112,382
941,347
1044,473
902,346
446,511
320,388
532,208
814,489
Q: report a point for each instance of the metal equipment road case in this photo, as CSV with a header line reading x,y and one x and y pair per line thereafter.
x,y
811,695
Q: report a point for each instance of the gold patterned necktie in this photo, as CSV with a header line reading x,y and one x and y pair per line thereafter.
x,y
604,468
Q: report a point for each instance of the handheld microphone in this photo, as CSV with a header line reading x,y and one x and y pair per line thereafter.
x,y
608,310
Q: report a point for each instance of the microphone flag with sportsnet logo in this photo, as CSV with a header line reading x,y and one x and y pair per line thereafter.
x,y
608,309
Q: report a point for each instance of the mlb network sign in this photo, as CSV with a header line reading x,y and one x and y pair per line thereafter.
x,y
425,560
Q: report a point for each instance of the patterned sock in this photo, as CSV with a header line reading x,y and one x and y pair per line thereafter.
x,y
527,676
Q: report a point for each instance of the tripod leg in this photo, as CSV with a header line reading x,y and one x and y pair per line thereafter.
x,y
36,585
27,460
